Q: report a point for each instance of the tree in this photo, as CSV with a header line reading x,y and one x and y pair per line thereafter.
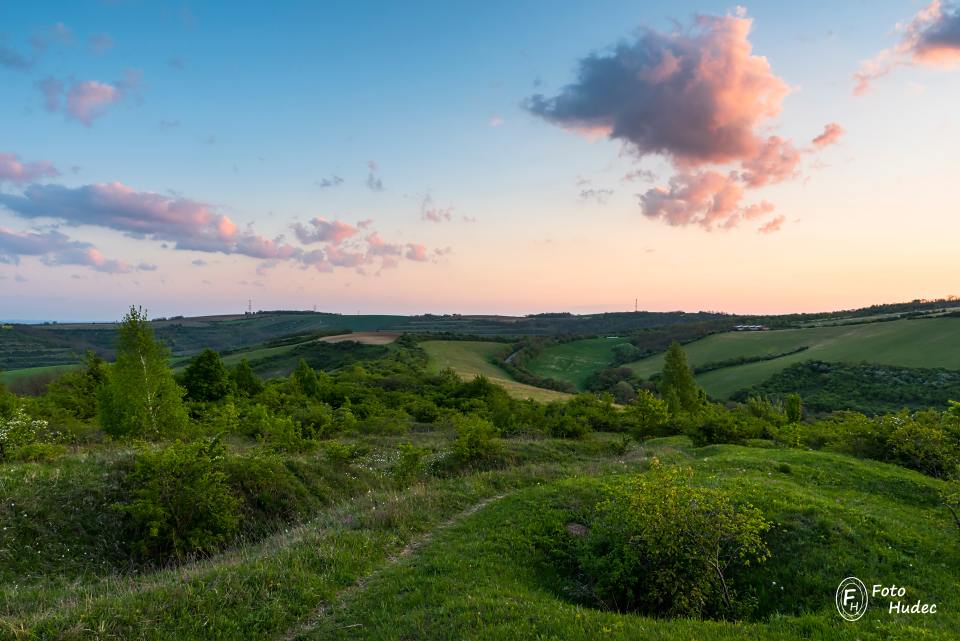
x,y
245,380
206,378
794,408
646,415
77,391
677,385
305,379
140,397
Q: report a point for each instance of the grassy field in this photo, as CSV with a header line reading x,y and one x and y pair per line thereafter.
x,y
480,578
451,558
931,342
470,358
574,361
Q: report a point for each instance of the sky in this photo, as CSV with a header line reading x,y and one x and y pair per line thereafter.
x,y
497,157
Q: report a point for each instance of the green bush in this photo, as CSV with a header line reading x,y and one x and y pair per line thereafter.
x,y
647,416
39,452
181,501
657,545
476,439
923,447
409,465
339,454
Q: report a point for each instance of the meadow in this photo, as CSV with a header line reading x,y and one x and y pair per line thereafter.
x,y
473,358
575,361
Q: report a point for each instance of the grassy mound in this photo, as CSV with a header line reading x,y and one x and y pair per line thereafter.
x,y
833,517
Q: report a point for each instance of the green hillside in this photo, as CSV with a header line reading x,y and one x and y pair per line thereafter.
x,y
933,342
470,358
574,361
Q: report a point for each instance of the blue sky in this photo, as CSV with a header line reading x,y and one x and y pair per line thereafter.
x,y
245,107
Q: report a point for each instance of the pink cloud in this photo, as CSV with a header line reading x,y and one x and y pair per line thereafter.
x,y
931,39
14,171
695,96
832,132
55,248
322,230
775,161
772,226
698,97
87,100
416,252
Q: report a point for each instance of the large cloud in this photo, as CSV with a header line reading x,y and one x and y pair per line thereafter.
x,y
187,223
931,38
695,96
197,226
700,98
14,171
55,248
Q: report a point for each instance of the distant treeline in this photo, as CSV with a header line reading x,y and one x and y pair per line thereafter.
x,y
743,360
863,387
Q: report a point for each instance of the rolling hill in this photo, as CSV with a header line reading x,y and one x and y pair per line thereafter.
x,y
472,358
929,342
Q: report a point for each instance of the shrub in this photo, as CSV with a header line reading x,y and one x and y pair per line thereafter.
x,y
339,454
647,415
40,452
182,503
18,430
409,463
476,439
658,545
923,447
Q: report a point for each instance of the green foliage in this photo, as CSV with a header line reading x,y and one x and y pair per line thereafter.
x,y
647,415
410,463
181,501
677,385
305,379
140,397
658,545
245,380
862,387
18,430
206,378
793,406
923,445
339,454
476,439
76,392
277,431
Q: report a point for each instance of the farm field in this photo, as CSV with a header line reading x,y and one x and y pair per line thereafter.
x,y
574,361
471,358
933,342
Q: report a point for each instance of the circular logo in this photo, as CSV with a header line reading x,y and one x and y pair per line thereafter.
x,y
851,598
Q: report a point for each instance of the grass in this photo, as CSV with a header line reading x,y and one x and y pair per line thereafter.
x,y
575,361
931,342
481,578
14,375
473,358
451,558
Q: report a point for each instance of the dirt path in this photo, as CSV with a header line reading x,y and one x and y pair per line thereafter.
x,y
408,550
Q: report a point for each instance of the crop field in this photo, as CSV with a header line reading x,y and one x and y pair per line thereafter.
x,y
574,361
471,358
933,342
